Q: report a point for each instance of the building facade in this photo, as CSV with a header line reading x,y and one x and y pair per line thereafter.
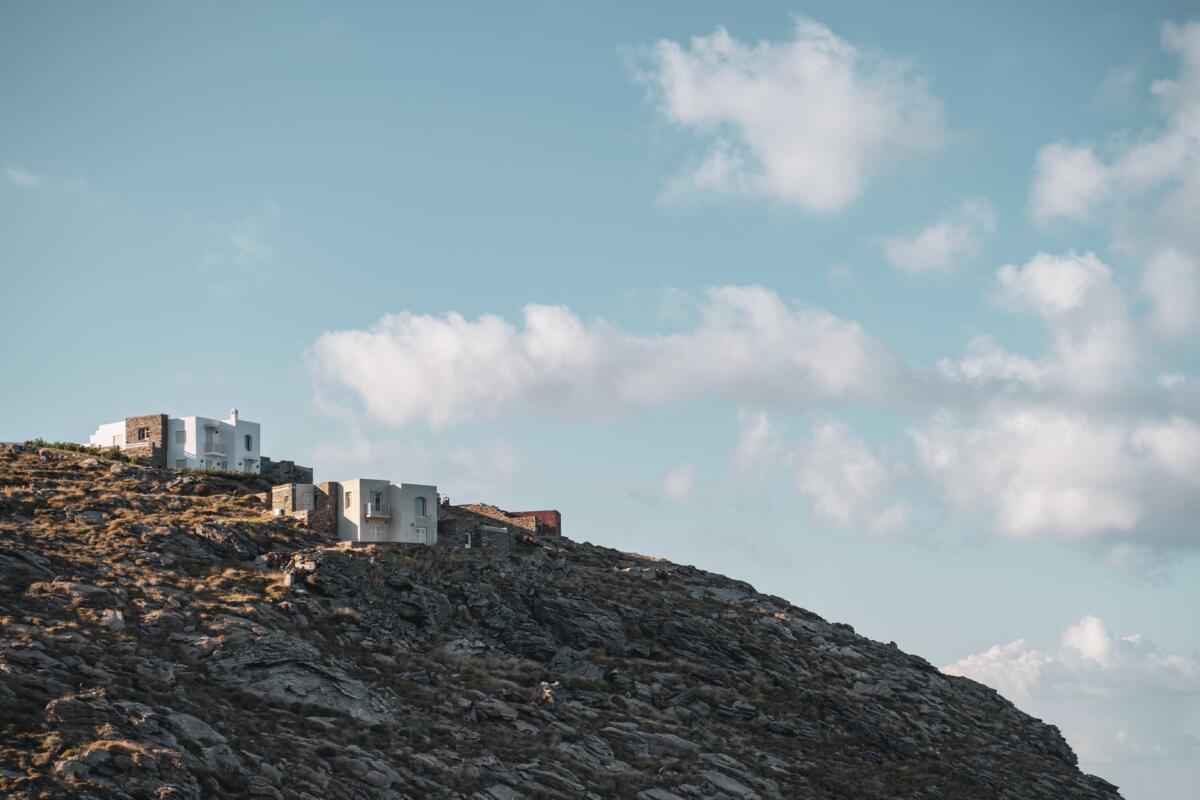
x,y
381,511
231,444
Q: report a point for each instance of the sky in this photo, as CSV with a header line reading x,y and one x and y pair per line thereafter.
x,y
891,311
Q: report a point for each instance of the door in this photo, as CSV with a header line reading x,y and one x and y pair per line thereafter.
x,y
419,535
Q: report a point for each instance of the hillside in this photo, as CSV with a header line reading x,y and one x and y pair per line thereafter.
x,y
164,638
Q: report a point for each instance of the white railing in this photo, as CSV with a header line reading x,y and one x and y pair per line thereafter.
x,y
214,448
377,510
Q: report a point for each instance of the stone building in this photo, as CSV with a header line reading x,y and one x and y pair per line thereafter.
x,y
316,504
547,522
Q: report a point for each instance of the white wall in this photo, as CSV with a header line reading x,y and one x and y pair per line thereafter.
x,y
401,526
108,434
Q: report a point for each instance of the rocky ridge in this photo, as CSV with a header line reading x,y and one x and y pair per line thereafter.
x,y
162,637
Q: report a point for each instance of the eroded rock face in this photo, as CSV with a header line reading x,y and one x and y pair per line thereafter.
x,y
180,644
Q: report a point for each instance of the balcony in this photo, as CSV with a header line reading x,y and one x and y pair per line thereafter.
x,y
214,449
377,510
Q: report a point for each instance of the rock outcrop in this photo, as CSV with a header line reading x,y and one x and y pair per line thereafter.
x,y
163,637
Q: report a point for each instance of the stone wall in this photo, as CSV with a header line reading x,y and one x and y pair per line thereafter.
x,y
284,471
546,521
459,528
151,446
326,501
322,517
500,515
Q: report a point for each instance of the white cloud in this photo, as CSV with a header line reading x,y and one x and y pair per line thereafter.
x,y
1042,470
19,176
990,366
1068,183
1094,344
1115,698
679,482
848,482
1160,167
808,121
758,446
1172,282
749,346
942,246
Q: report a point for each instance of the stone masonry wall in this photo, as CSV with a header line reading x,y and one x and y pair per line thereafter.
x,y
153,448
322,517
500,515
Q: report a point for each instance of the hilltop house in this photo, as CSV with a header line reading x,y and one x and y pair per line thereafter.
x,y
363,510
381,511
231,444
186,442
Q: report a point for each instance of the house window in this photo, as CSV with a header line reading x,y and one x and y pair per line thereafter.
x,y
143,434
376,500
180,437
347,498
249,442
420,506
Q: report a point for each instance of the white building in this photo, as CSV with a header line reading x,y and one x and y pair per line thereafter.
x,y
187,442
381,511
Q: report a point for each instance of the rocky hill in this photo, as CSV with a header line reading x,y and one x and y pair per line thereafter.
x,y
162,637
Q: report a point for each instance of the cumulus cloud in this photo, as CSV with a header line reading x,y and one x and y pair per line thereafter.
x,y
988,365
1115,698
942,246
1073,182
1043,470
848,482
1068,183
808,121
1094,343
19,176
749,346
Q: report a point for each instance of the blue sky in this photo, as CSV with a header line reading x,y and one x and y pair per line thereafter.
x,y
890,311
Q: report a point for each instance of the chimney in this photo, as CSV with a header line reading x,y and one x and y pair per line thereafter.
x,y
233,416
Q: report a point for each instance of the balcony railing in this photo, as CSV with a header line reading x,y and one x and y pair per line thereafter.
x,y
214,448
381,510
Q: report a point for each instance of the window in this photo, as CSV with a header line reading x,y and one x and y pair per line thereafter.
x,y
143,434
180,437
420,506
347,498
376,500
249,442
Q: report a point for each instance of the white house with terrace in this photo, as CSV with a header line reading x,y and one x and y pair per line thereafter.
x,y
382,511
186,442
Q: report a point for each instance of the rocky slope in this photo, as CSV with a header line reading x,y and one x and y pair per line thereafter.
x,y
162,637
